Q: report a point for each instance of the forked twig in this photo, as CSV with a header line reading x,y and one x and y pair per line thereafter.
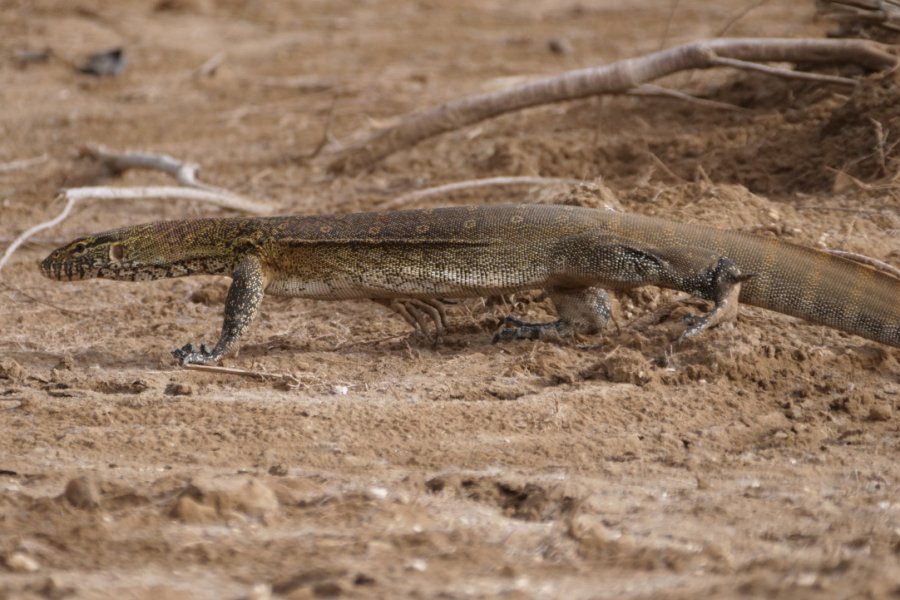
x,y
616,78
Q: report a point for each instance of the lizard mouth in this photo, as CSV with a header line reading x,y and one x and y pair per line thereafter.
x,y
65,270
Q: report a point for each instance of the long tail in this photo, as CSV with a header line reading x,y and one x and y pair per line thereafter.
x,y
791,279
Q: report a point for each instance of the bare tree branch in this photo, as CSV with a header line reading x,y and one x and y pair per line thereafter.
x,y
616,78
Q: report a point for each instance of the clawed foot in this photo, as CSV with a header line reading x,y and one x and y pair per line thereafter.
x,y
189,355
421,315
726,283
694,324
517,329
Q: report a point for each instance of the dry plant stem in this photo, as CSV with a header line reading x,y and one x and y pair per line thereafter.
x,y
866,260
23,163
616,78
285,378
457,186
240,372
224,200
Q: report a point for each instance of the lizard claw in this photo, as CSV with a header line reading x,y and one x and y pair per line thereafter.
x,y
189,355
517,329
510,329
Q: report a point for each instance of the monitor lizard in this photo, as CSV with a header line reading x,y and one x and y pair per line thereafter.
x,y
410,260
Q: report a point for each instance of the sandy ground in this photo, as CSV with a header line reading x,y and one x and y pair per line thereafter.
x,y
758,461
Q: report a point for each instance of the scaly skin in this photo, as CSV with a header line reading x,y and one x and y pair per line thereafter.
x,y
409,260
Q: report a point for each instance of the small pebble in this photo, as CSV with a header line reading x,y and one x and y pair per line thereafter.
x,y
559,45
21,563
880,413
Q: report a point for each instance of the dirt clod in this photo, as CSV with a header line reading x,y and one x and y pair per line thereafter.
x,y
82,492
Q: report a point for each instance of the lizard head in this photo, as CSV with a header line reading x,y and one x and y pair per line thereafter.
x,y
141,252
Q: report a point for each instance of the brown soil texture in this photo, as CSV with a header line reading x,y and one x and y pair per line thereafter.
x,y
759,460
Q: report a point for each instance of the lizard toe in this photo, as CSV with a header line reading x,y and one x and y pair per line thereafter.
x,y
190,355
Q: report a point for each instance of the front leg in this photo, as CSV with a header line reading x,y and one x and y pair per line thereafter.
x,y
722,285
241,307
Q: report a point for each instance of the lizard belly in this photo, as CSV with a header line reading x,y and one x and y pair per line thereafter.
x,y
402,283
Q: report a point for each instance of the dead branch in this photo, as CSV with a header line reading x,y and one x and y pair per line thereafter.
x,y
616,78
457,186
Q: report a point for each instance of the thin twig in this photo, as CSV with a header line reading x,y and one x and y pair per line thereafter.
x,y
740,15
470,184
616,78
23,163
327,137
648,89
210,66
664,167
722,61
36,300
45,243
303,84
33,230
866,260
285,377
224,200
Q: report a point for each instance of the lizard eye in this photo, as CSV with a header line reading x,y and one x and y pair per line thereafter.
x,y
79,248
116,252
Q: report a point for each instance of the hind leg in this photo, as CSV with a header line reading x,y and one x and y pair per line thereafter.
x,y
584,310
